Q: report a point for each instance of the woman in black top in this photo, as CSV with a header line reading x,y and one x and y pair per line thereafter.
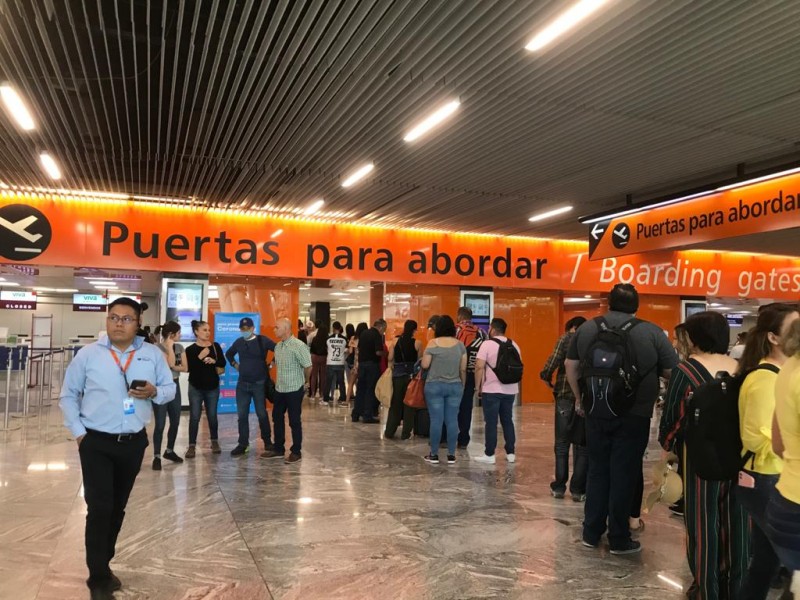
x,y
319,362
402,358
203,358
352,357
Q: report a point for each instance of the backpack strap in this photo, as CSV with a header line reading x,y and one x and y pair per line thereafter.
x,y
768,367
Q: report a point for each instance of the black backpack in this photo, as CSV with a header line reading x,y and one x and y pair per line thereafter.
x,y
609,373
713,439
508,368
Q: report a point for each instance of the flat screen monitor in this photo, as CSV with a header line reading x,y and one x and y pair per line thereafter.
x,y
184,304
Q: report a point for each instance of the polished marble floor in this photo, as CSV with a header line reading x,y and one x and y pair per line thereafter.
x,y
359,517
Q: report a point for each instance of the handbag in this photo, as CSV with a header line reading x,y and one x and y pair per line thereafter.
x,y
577,429
220,370
415,393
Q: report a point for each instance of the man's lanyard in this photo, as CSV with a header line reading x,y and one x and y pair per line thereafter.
x,y
124,369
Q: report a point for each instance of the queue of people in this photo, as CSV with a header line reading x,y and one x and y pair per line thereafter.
x,y
740,529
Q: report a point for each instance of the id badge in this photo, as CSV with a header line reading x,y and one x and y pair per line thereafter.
x,y
128,406
746,480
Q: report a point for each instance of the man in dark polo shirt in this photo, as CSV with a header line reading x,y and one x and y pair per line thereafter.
x,y
616,445
370,351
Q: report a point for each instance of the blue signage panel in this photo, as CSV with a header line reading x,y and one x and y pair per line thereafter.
x,y
226,331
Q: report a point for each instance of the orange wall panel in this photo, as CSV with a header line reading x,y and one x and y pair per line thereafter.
x,y
534,323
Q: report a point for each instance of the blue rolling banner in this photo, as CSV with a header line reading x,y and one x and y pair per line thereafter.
x,y
226,331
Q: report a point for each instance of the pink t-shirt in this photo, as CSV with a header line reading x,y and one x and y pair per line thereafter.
x,y
491,385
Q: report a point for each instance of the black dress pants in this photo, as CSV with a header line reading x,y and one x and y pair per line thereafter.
x,y
109,470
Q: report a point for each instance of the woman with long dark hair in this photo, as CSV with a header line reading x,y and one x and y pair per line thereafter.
x,y
763,359
319,362
203,359
352,349
445,359
716,525
403,356
171,334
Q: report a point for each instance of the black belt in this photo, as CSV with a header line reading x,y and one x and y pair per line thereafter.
x,y
118,437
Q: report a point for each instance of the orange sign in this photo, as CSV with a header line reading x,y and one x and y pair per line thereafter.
x,y
758,207
127,235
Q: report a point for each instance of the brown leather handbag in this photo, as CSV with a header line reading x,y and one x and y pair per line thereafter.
x,y
415,393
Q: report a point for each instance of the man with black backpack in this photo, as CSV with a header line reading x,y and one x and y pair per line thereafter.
x,y
498,371
613,365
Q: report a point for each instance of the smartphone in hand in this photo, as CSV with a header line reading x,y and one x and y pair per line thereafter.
x,y
138,383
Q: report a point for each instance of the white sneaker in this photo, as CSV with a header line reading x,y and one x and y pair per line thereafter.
x,y
487,460
511,458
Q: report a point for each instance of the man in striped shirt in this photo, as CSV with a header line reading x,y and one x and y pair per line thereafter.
x,y
293,361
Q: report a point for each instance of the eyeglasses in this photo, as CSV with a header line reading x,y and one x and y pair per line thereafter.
x,y
126,320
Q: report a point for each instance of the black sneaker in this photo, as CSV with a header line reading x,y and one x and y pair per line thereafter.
x,y
677,508
432,459
631,547
370,420
557,494
239,450
589,544
156,464
451,459
170,455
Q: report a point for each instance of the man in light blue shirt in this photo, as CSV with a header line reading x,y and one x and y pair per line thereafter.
x,y
107,397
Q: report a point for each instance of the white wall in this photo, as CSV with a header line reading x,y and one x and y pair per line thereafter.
x,y
66,322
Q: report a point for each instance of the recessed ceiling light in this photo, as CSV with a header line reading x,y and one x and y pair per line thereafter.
x,y
50,166
358,175
563,23
276,233
431,121
550,213
16,107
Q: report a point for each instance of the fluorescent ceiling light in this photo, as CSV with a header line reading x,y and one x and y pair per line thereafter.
x,y
16,107
276,233
91,279
431,121
102,282
105,287
50,166
9,284
563,23
358,175
550,213
314,207
340,293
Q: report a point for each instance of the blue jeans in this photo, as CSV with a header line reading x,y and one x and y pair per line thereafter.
x,y
255,391
291,402
197,398
443,400
763,562
365,391
501,405
783,530
335,378
173,409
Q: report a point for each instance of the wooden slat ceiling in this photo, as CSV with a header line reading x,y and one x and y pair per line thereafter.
x,y
268,104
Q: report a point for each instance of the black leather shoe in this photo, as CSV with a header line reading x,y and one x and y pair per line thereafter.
x,y
156,464
170,455
101,593
370,420
116,584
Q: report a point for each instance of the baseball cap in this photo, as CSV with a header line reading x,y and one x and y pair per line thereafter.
x,y
246,322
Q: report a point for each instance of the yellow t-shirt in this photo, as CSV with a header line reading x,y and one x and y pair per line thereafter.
x,y
787,409
756,409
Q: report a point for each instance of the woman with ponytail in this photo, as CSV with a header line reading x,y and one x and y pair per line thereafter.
x,y
170,333
762,359
204,360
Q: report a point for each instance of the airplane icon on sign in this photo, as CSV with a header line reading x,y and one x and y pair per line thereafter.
x,y
21,228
